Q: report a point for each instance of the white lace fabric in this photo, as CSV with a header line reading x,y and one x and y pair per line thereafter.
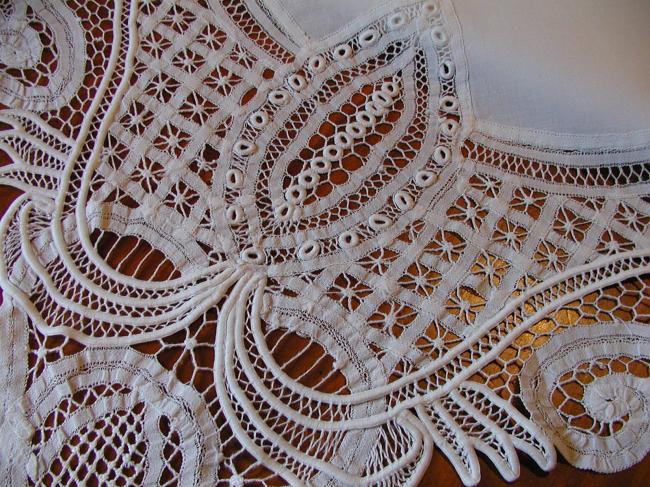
x,y
248,255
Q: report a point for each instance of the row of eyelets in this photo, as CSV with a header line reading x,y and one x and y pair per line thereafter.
x,y
309,178
381,100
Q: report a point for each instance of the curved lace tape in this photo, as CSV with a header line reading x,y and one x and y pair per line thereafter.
x,y
307,264
590,392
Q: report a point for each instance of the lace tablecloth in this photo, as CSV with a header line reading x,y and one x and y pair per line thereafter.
x,y
269,242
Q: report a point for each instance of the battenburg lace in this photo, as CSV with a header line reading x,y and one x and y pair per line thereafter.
x,y
239,259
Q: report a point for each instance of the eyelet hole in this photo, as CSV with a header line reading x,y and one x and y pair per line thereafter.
x,y
390,88
368,38
259,119
295,194
332,153
365,119
244,148
279,97
344,51
308,179
234,178
356,130
309,250
316,64
441,154
348,239
439,36
379,222
449,103
403,200
396,21
320,165
297,82
447,70
424,178
449,127
343,140
234,214
253,255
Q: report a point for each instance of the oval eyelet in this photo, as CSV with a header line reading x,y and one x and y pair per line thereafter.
x,y
356,130
442,154
449,103
316,64
308,179
235,214
332,153
439,36
253,255
424,178
390,88
430,8
348,239
379,222
403,200
396,21
284,212
234,178
279,97
344,51
368,38
449,127
343,140
382,99
297,82
259,119
308,250
365,119
320,165
295,194
374,109
447,69
245,148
